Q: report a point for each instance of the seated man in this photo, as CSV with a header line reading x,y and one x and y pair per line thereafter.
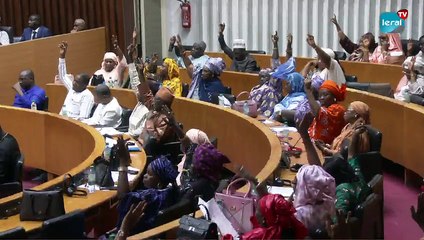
x,y
27,92
108,112
9,154
79,25
4,37
79,101
242,61
35,30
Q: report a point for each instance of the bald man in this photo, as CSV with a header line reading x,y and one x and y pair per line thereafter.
x,y
79,25
197,57
27,92
108,112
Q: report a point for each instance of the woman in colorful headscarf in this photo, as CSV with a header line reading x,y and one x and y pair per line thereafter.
x,y
158,193
204,175
113,67
413,69
189,142
275,220
170,75
328,115
304,108
358,52
295,95
356,115
315,194
389,50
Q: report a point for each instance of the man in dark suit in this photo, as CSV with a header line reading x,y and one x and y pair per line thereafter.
x,y
35,29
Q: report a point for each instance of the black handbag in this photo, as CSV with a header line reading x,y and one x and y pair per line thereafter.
x,y
41,205
197,228
103,173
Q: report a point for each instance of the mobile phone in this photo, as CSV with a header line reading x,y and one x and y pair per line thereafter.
x,y
132,172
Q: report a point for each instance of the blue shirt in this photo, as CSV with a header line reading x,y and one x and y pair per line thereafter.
x,y
36,94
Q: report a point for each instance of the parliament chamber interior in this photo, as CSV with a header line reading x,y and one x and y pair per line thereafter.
x,y
229,119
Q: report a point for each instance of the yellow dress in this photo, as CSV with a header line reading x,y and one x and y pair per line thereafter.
x,y
174,85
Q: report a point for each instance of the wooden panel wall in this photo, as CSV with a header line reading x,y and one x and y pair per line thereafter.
x,y
85,54
59,15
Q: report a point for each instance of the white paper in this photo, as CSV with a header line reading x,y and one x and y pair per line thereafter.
x,y
283,128
284,191
109,131
131,177
110,142
218,217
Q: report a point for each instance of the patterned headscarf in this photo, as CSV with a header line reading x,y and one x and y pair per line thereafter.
x,y
285,69
317,81
315,195
215,65
296,82
164,169
197,136
173,69
279,216
362,109
208,161
338,92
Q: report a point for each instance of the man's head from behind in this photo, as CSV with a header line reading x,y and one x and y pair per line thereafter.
x,y
79,25
198,49
164,96
26,79
239,49
80,82
34,21
102,94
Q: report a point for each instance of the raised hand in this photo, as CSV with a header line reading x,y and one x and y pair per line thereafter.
x,y
133,216
132,51
172,40
155,57
341,229
274,38
307,84
134,36
221,28
418,215
311,41
179,42
122,152
114,40
63,47
289,38
334,20
169,115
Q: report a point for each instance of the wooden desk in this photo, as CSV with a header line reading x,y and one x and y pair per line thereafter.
x,y
57,145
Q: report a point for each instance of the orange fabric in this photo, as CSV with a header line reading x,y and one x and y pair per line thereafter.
x,y
328,124
347,133
338,92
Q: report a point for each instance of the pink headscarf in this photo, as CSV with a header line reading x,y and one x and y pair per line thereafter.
x,y
315,196
395,49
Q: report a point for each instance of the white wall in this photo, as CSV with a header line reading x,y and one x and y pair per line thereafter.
x,y
256,20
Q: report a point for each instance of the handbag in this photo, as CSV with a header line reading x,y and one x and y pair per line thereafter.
x,y
70,188
237,207
248,107
197,228
41,205
103,173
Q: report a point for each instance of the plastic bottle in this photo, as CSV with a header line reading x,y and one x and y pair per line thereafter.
x,y
91,179
33,105
64,113
246,108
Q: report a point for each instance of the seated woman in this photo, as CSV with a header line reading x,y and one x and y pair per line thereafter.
x,y
356,115
389,50
358,52
157,195
285,110
189,142
205,81
170,75
205,166
315,193
328,115
275,220
413,68
113,67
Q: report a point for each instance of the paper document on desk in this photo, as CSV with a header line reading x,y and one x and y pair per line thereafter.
x,y
283,128
284,191
110,142
131,177
109,131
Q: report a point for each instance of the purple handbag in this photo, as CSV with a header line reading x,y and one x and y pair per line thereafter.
x,y
237,207
248,107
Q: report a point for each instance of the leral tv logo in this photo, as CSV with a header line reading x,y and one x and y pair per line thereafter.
x,y
393,22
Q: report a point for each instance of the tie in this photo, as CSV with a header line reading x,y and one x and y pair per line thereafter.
x,y
34,35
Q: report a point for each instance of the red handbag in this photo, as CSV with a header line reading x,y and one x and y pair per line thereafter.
x,y
248,107
237,207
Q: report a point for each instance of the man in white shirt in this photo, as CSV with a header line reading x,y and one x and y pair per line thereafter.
x,y
108,112
79,101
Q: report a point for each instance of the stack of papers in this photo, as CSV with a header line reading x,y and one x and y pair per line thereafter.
x,y
109,131
284,191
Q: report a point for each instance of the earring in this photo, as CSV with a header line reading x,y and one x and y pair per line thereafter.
x,y
335,99
356,115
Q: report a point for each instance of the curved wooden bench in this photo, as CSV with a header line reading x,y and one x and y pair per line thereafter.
x,y
56,145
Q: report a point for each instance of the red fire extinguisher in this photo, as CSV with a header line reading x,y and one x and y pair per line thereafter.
x,y
185,13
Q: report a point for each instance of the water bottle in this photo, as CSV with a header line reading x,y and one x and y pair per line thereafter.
x,y
91,179
64,113
246,108
107,152
33,105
